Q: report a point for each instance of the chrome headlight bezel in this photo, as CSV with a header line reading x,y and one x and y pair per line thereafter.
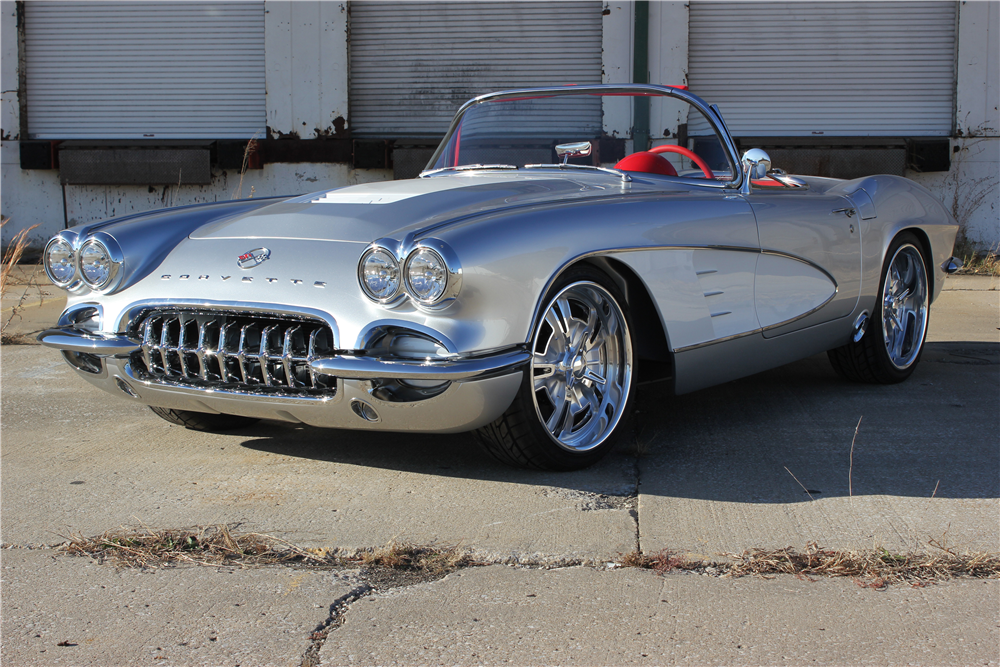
x,y
397,293
443,253
74,280
116,262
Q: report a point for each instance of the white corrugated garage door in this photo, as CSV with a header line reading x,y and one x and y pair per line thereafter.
x,y
140,70
795,69
414,63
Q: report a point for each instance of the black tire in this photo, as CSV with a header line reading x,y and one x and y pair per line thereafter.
x,y
878,358
203,421
590,361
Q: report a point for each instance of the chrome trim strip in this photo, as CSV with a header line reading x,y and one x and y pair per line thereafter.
x,y
374,368
71,339
778,253
688,348
586,167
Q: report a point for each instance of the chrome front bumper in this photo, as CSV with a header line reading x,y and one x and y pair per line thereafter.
x,y
480,388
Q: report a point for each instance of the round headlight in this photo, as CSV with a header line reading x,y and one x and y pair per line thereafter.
x,y
96,266
426,276
379,274
60,262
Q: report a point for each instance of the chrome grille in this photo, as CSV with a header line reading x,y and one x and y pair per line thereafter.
x,y
257,352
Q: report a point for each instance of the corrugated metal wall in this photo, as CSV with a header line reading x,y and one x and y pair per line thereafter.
x,y
414,63
135,70
826,68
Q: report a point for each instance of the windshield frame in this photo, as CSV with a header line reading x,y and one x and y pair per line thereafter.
x,y
710,112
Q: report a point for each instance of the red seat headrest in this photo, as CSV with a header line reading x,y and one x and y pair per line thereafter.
x,y
649,163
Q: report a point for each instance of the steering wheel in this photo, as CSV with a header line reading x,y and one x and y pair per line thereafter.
x,y
670,148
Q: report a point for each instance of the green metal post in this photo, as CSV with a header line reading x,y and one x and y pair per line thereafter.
x,y
640,74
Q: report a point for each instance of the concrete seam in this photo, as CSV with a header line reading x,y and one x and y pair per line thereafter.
x,y
332,622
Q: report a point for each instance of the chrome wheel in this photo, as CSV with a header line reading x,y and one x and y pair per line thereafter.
x,y
581,369
904,306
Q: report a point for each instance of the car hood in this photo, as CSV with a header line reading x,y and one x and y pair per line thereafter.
x,y
364,213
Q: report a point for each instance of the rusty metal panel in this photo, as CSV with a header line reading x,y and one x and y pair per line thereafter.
x,y
414,63
145,70
131,165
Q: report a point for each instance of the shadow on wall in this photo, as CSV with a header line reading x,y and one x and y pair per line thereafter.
x,y
742,441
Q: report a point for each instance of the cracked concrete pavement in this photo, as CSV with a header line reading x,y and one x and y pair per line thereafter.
x,y
707,473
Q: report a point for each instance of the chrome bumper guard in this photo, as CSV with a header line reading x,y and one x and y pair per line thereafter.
x,y
71,339
951,265
373,368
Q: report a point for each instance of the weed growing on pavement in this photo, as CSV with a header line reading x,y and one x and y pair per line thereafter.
x,y
11,256
219,545
981,262
876,568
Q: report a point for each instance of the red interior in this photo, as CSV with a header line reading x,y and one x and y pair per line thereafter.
x,y
648,163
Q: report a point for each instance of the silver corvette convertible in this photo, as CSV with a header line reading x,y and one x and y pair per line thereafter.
x,y
535,273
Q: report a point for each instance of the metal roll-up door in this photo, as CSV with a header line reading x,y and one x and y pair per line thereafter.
x,y
414,63
793,69
141,70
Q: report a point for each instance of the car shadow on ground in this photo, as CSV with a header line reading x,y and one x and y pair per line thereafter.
x,y
783,436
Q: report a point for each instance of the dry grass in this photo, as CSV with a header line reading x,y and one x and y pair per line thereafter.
x,y
212,545
11,256
983,262
877,568
424,559
219,545
247,152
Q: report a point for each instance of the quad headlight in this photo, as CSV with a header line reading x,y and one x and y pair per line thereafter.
x,y
426,276
59,260
379,274
97,263
430,275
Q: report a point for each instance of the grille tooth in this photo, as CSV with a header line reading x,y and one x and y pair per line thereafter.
x,y
287,358
241,352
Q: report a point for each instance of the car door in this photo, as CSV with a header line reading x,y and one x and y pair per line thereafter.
x,y
809,269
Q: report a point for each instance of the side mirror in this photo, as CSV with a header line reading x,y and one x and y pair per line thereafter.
x,y
756,164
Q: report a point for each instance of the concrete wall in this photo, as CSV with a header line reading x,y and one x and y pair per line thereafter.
x,y
971,189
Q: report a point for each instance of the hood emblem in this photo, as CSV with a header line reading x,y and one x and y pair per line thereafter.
x,y
253,258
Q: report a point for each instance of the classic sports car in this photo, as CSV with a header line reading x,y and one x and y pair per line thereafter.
x,y
522,286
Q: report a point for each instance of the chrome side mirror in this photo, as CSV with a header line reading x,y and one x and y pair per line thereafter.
x,y
579,149
756,164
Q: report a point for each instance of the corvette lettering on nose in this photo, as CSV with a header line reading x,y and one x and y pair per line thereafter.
x,y
253,258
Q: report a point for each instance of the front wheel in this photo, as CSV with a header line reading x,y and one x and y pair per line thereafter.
x,y
577,387
891,347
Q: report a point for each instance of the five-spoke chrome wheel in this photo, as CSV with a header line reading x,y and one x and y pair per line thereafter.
x,y
581,367
904,306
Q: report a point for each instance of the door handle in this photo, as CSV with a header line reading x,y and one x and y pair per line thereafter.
x,y
849,212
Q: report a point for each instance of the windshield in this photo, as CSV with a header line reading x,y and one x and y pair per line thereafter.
x,y
524,130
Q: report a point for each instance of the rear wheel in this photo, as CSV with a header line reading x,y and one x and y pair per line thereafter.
x,y
577,388
891,347
203,421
